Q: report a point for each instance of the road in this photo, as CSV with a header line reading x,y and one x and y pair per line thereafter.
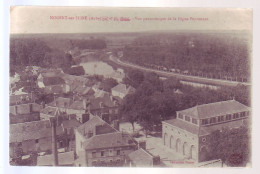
x,y
195,79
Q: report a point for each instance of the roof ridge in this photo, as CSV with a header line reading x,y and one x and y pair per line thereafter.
x,y
146,152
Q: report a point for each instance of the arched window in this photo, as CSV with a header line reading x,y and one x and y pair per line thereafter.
x,y
171,142
185,148
178,144
193,154
165,138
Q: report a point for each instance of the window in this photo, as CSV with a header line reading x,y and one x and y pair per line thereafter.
x,y
187,118
37,141
180,116
203,139
235,116
93,154
222,118
213,120
219,119
194,121
110,152
242,114
102,153
204,121
118,152
228,117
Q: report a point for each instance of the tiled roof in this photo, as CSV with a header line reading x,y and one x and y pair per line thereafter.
x,y
100,93
82,90
31,131
141,158
77,105
73,123
66,158
105,100
74,78
204,130
183,125
115,139
215,109
60,102
29,126
122,88
48,81
90,125
229,125
52,111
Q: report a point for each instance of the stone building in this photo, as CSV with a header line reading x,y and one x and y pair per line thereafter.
x,y
189,134
98,144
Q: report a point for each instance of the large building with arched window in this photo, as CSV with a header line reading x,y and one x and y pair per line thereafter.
x,y
189,134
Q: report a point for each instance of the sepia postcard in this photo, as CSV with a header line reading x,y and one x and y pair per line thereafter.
x,y
130,87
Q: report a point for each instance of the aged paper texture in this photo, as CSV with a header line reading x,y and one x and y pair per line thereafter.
x,y
130,87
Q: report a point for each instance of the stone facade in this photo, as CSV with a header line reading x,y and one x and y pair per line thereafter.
x,y
190,134
180,141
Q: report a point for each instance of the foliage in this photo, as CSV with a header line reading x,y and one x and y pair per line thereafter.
x,y
231,146
134,78
156,100
212,54
108,83
77,71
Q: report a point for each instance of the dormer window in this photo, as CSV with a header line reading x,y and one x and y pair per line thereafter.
x,y
221,118
180,116
187,118
194,121
204,121
213,120
228,117
235,116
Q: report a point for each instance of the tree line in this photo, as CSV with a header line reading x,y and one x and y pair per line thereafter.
x,y
156,100
35,51
211,54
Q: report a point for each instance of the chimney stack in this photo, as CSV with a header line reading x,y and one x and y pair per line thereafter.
x,y
54,144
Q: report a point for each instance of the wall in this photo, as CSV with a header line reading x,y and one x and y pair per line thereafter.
x,y
25,108
180,141
107,158
79,139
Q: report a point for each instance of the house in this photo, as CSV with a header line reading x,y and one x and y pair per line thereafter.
x,y
32,136
98,144
190,133
51,83
66,108
121,90
142,158
97,87
23,108
83,91
61,103
64,159
68,126
74,81
79,110
117,75
105,107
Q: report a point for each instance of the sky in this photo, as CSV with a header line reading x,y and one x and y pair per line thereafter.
x,y
41,19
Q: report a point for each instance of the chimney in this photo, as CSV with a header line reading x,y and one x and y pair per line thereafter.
x,y
54,144
142,144
15,109
84,104
101,104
